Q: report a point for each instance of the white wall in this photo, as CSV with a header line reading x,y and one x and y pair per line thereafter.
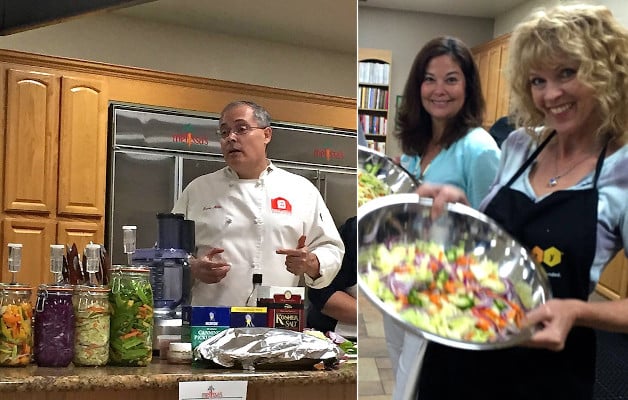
x,y
404,33
505,22
121,40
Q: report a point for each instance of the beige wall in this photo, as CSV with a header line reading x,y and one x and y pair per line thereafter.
x,y
122,40
505,22
404,33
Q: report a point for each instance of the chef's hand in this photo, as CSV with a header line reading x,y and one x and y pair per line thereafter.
x,y
441,195
211,268
554,320
301,260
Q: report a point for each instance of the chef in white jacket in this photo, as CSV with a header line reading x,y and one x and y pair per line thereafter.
x,y
253,217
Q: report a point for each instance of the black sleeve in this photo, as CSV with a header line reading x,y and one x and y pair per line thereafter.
x,y
347,275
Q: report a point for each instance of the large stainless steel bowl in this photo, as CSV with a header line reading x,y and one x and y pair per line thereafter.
x,y
394,176
405,218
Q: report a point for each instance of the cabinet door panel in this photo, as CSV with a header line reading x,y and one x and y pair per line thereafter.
x,y
503,102
36,236
30,172
482,60
613,282
79,233
83,147
492,84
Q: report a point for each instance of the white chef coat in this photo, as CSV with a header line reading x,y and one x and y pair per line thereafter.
x,y
250,219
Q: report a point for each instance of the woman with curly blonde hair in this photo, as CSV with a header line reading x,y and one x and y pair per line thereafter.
x,y
562,191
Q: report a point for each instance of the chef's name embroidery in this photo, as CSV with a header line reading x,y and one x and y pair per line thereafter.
x,y
280,205
212,207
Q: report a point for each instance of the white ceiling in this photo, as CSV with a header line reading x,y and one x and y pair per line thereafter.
x,y
467,8
323,24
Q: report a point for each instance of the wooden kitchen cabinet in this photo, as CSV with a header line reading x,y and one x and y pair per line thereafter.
x,y
36,235
81,233
613,283
492,60
55,158
83,147
31,142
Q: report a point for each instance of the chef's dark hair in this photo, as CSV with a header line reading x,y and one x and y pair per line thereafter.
x,y
414,124
261,115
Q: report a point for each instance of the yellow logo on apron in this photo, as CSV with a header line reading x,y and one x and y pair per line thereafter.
x,y
550,257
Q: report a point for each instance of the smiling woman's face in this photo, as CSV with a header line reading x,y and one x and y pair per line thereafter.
x,y
567,103
443,88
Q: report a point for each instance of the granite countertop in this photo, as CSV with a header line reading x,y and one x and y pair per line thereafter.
x,y
159,374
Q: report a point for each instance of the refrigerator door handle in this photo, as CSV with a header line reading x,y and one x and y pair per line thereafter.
x,y
323,186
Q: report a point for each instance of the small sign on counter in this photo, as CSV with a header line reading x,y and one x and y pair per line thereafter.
x,y
213,390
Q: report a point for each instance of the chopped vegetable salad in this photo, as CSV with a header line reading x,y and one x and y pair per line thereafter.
x,y
448,293
369,186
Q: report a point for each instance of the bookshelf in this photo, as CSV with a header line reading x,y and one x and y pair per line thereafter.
x,y
374,95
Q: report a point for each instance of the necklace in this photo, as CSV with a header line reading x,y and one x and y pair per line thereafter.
x,y
553,181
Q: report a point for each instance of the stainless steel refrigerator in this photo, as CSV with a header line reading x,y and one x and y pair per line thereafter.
x,y
155,153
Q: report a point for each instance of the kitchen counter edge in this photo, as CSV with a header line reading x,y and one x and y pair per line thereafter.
x,y
157,375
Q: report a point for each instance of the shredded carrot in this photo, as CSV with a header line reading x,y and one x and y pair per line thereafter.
x,y
450,287
483,324
435,298
131,334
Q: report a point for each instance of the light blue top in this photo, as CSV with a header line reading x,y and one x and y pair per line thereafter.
x,y
470,163
612,225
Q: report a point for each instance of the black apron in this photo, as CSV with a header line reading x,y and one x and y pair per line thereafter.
x,y
562,227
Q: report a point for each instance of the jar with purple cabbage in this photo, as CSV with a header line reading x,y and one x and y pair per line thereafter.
x,y
54,326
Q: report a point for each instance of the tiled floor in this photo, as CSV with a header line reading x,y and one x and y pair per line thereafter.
x,y
375,376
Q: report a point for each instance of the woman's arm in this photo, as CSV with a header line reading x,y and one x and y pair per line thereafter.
x,y
558,316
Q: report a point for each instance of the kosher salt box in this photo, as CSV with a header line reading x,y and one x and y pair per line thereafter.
x,y
285,306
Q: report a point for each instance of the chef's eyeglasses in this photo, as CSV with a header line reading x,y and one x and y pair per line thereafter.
x,y
238,130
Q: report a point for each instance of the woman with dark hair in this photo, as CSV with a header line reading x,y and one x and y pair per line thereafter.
x,y
439,126
439,122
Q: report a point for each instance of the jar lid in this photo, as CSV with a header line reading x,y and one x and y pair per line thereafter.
x,y
56,287
185,347
17,287
130,268
93,289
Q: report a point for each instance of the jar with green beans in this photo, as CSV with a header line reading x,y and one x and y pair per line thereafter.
x,y
131,330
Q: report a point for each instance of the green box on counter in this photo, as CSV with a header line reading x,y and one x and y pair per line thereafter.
x,y
198,334
249,317
199,323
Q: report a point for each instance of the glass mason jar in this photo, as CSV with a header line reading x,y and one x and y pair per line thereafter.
x,y
16,335
54,326
91,309
131,332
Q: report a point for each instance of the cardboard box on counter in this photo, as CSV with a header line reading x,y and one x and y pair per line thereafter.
x,y
285,306
205,316
199,323
249,317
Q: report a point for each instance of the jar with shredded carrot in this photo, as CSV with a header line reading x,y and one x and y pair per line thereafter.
x,y
16,335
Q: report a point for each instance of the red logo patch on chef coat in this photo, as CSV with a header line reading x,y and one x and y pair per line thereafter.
x,y
281,205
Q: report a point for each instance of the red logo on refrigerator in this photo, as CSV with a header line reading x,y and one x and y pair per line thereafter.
x,y
281,205
190,139
328,154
